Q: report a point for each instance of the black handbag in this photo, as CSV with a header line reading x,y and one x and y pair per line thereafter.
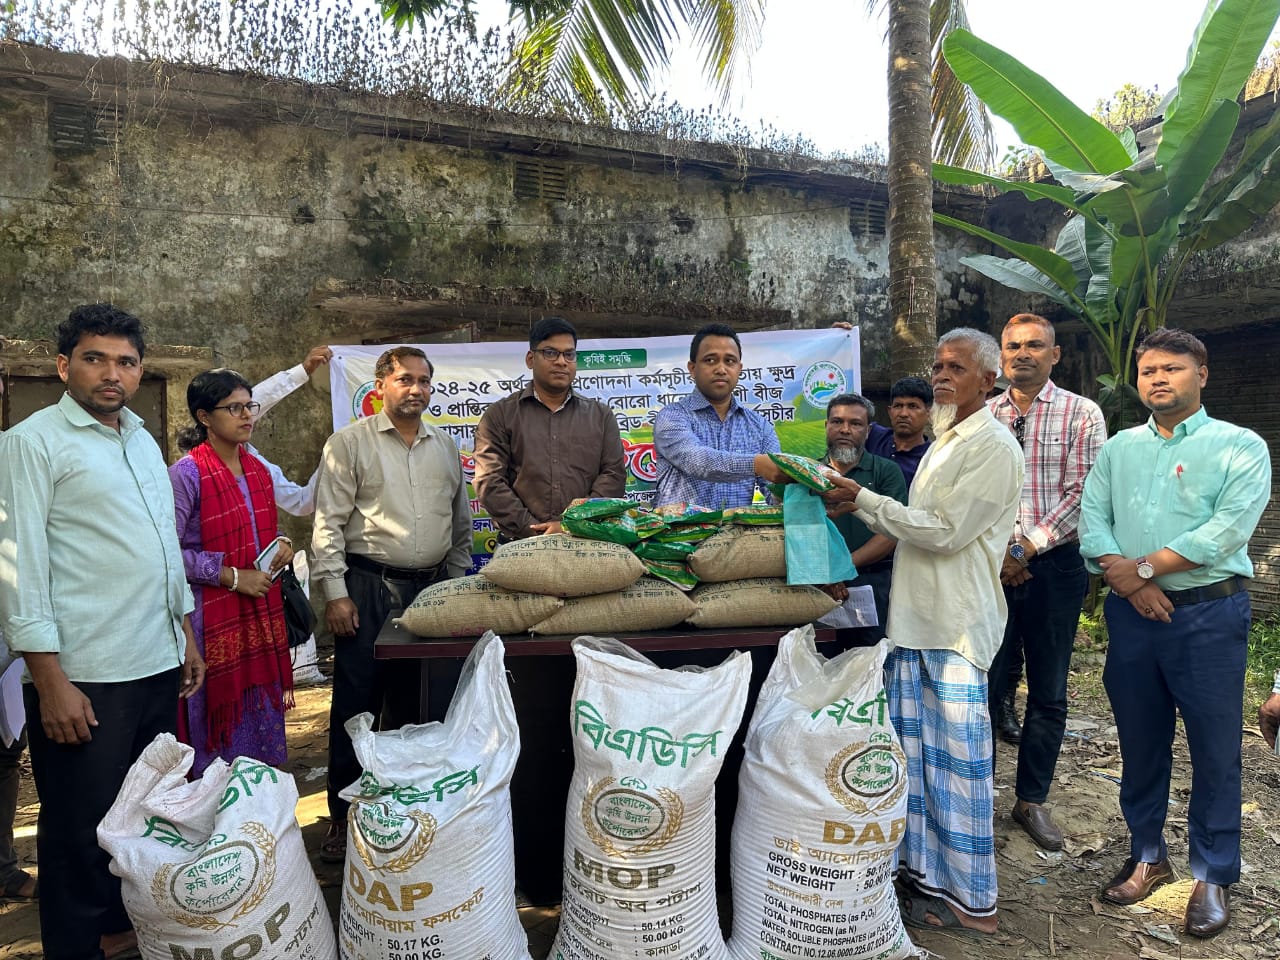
x,y
299,618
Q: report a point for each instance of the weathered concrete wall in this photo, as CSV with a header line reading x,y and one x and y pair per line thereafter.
x,y
229,226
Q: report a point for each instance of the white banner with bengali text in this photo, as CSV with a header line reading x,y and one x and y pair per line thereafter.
x,y
788,376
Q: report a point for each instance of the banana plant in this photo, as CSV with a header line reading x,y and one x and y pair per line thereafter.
x,y
1136,214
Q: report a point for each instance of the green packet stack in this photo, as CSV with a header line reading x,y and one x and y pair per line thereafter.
x,y
636,524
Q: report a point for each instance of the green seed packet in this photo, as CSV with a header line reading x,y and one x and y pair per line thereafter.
x,y
759,515
688,513
653,549
686,532
597,507
804,470
677,574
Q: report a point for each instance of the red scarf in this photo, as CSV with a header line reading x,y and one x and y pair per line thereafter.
x,y
246,647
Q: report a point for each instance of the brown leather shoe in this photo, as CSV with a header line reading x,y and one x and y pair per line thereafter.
x,y
1136,880
1038,822
1208,909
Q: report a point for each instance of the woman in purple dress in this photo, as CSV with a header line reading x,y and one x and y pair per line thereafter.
x,y
226,514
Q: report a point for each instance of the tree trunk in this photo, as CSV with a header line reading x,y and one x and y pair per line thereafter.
x,y
912,291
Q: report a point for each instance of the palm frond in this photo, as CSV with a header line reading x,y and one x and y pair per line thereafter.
x,y
963,135
727,32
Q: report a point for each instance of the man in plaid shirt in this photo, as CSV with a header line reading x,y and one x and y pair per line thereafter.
x,y
1043,574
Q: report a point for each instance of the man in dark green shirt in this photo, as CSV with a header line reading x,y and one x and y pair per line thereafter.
x,y
848,420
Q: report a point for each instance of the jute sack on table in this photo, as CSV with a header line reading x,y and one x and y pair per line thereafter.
x,y
740,553
562,566
648,604
822,806
640,837
214,867
760,602
430,868
468,606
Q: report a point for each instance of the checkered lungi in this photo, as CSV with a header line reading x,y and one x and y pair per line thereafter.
x,y
938,704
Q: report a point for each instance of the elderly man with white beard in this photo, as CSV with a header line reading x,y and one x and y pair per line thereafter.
x,y
946,620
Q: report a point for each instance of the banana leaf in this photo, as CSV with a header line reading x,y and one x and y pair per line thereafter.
x,y
1040,114
1019,275
1257,147
1205,146
1045,261
1032,191
1252,199
1228,40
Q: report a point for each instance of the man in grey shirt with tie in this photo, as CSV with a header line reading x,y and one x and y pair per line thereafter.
x,y
392,518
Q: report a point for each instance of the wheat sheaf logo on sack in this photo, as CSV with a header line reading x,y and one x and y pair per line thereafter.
x,y
230,876
868,775
365,402
822,381
376,832
626,821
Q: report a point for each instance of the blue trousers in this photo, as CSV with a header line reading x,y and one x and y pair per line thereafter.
x,y
1044,613
1193,666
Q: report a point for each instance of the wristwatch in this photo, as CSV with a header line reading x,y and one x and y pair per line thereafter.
x,y
1145,570
1018,552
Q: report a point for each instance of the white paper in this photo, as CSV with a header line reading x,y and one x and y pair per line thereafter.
x,y
13,716
858,611
267,556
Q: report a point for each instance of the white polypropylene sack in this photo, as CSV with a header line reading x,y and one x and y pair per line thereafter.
x,y
430,869
214,867
822,805
640,836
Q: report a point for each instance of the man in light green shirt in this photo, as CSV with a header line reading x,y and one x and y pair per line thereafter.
x,y
1166,516
93,595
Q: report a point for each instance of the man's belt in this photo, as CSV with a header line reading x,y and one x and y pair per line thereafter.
x,y
1214,591
361,562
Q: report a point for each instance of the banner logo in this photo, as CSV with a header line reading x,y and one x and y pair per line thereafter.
x,y
366,402
822,381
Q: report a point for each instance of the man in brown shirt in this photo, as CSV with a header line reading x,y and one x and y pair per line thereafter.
x,y
541,447
536,450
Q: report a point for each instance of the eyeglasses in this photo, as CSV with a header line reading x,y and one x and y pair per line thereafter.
x,y
1020,430
235,409
550,354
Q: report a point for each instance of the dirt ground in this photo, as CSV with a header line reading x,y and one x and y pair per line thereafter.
x,y
1048,906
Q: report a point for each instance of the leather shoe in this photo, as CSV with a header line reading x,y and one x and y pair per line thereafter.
x,y
1007,724
1136,880
1038,822
1208,909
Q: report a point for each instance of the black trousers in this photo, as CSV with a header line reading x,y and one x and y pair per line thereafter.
x,y
389,689
1044,612
77,784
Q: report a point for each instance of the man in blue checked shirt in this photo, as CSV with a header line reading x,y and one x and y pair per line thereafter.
x,y
712,450
1166,517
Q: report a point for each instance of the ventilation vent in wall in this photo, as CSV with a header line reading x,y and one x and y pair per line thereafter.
x,y
78,127
867,218
539,180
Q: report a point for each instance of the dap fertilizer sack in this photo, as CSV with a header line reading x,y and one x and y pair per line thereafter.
x,y
639,871
430,873
214,869
822,806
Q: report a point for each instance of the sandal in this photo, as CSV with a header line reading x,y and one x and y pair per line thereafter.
x,y
13,891
333,848
917,909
